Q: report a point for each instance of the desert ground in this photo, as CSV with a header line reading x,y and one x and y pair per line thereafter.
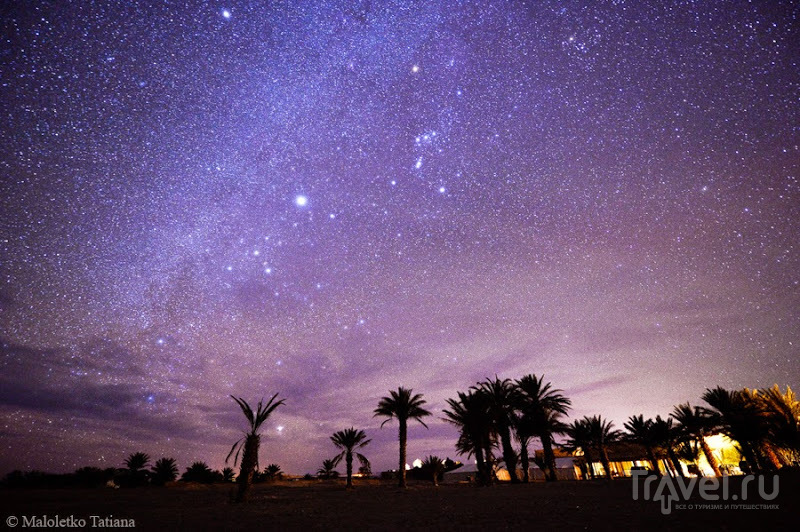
x,y
377,505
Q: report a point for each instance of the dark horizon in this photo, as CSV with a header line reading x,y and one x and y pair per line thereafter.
x,y
329,200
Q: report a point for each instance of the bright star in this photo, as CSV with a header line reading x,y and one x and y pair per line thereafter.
x,y
301,201
442,190
226,13
419,164
415,69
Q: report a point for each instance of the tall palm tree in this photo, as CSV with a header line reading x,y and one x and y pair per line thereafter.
x,y
470,413
272,472
696,424
250,442
743,418
602,433
403,406
349,440
783,411
640,430
542,408
667,437
165,470
579,438
328,470
502,396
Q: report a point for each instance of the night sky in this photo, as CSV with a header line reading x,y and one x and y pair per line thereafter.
x,y
331,199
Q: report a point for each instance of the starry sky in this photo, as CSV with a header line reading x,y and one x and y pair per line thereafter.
x,y
331,199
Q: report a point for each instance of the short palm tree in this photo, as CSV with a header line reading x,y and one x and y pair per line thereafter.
x,y
434,466
640,430
349,440
328,470
273,472
250,442
470,413
502,396
602,433
695,423
542,408
165,470
198,472
137,467
579,438
228,474
403,406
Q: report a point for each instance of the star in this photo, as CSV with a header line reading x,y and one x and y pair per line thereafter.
x,y
301,201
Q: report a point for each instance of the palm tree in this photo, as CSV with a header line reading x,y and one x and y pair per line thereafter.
x,y
328,470
667,437
403,406
198,472
273,472
165,470
542,408
137,464
434,466
470,413
228,474
349,440
580,438
601,433
640,431
501,396
783,411
743,418
696,424
250,442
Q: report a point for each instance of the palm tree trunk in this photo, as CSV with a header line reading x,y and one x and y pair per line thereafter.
x,y
770,454
675,462
651,456
549,457
481,463
525,460
709,455
349,461
249,462
590,469
606,463
509,454
403,439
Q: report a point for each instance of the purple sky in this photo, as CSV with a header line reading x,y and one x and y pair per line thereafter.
x,y
329,200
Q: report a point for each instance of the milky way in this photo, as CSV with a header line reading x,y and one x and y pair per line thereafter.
x,y
329,200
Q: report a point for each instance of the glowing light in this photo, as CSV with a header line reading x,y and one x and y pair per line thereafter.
x,y
442,190
415,69
226,13
301,201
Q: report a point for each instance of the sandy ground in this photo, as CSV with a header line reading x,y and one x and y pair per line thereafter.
x,y
375,505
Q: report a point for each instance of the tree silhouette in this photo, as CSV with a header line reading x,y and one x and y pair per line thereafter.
x,y
696,423
640,431
542,408
470,413
502,396
433,466
349,440
328,470
137,464
165,470
403,406
198,472
250,442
